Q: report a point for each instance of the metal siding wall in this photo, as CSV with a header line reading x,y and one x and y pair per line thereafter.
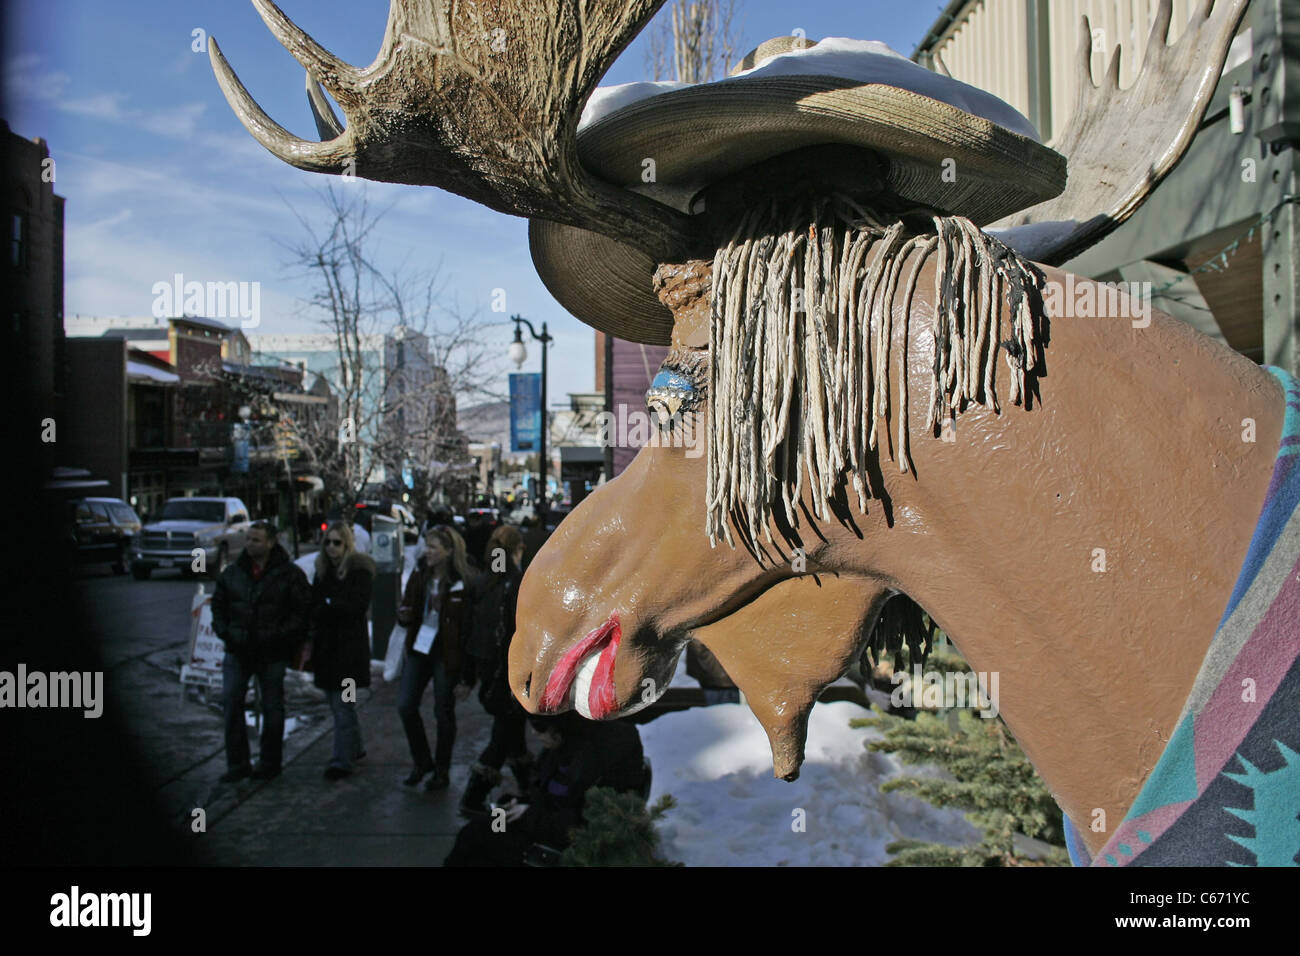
x,y
988,50
1126,22
989,47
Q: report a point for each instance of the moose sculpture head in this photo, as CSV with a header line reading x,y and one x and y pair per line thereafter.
x,y
825,279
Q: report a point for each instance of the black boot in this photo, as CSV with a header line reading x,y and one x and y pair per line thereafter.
x,y
481,781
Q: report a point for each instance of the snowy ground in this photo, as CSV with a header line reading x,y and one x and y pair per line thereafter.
x,y
731,811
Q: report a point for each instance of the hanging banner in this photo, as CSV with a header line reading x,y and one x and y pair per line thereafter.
x,y
525,411
239,443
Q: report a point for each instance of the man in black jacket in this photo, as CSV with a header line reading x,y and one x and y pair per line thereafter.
x,y
259,611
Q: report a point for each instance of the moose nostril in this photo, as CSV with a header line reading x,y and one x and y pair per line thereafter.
x,y
528,682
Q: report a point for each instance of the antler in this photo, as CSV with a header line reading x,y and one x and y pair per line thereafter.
x,y
1121,143
480,98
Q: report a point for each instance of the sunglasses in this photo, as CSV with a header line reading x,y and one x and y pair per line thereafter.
x,y
334,541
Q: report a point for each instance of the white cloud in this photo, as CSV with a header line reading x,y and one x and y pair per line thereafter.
x,y
103,225
178,122
104,106
24,79
161,187
174,122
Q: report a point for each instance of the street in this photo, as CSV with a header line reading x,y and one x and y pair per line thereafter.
x,y
299,818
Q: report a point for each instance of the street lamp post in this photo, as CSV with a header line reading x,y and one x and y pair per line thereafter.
x,y
518,353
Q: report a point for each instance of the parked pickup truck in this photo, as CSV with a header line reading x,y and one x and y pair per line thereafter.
x,y
217,525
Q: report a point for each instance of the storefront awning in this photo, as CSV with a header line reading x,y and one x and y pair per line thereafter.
x,y
582,454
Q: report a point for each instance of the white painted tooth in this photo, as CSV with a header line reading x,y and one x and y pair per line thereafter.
x,y
582,683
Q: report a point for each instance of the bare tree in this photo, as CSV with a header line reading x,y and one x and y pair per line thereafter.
x,y
403,356
692,41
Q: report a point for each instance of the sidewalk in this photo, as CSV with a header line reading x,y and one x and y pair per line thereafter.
x,y
368,819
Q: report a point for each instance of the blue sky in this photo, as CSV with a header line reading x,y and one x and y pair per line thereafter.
x,y
160,177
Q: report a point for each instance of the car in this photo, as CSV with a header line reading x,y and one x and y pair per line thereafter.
x,y
103,530
216,526
410,527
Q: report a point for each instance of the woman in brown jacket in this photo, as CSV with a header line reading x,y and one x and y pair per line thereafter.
x,y
435,613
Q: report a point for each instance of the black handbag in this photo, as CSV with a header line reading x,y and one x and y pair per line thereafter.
x,y
494,694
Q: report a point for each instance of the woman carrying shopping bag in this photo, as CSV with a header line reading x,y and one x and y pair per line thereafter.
x,y
435,613
339,638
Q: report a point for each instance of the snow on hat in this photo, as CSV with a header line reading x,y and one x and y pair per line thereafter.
x,y
947,146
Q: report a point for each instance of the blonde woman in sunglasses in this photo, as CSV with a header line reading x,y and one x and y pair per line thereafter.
x,y
340,640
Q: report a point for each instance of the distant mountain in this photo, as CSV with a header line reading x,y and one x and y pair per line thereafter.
x,y
489,422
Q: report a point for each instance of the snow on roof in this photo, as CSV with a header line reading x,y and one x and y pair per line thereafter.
x,y
868,61
202,321
142,335
142,372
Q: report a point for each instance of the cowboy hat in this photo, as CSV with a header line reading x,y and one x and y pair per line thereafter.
x,y
945,145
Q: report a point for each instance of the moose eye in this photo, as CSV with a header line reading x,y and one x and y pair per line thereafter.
x,y
670,395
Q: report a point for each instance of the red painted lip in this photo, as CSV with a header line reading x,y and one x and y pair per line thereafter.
x,y
601,697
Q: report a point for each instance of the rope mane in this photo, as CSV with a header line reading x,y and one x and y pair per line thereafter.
x,y
800,342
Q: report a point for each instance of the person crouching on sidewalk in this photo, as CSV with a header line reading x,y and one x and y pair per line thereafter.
x,y
259,611
435,613
340,641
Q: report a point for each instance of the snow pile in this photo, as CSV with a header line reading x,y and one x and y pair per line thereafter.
x,y
609,99
866,61
731,811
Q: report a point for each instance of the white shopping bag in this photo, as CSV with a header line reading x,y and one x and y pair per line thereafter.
x,y
396,654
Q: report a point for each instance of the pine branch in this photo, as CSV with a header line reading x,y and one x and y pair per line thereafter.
x,y
996,788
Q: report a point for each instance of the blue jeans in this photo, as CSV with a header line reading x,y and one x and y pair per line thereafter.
x,y
417,671
347,730
234,679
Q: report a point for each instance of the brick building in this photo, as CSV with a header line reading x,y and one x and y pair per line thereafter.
x,y
33,328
